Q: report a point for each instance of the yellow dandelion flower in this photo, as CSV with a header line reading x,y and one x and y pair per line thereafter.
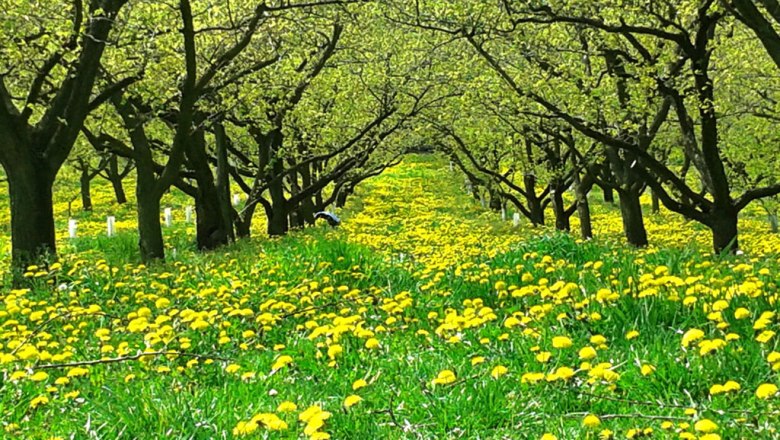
x,y
352,400
499,371
767,390
445,377
358,384
591,421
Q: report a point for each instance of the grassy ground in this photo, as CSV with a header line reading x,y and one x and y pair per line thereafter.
x,y
422,317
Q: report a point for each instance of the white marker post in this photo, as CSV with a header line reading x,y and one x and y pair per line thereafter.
x,y
111,225
236,199
188,214
72,228
503,214
168,217
451,167
516,219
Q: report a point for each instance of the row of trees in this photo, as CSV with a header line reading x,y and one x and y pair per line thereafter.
x,y
675,97
296,102
287,100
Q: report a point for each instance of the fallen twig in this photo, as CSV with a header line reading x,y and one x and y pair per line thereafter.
x,y
127,358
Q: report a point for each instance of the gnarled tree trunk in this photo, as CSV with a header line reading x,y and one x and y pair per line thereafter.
x,y
633,220
32,214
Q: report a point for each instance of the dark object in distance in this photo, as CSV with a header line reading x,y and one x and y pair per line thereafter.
x,y
330,217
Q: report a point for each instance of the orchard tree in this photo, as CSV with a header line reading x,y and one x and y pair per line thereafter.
x,y
48,70
659,59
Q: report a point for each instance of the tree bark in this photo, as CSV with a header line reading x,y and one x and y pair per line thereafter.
x,y
32,215
495,201
633,220
307,206
211,229
86,197
656,202
115,177
150,240
344,193
535,207
562,221
278,222
583,208
724,228
223,180
609,195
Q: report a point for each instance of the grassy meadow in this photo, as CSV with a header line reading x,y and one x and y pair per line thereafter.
x,y
424,316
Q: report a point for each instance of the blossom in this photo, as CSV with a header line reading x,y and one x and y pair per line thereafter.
x,y
765,391
591,421
352,400
39,376
498,371
38,401
705,426
691,335
287,406
561,342
587,353
281,362
358,384
445,377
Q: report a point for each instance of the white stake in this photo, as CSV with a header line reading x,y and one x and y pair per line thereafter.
x,y
72,227
236,199
168,217
110,225
451,167
516,219
188,214
503,214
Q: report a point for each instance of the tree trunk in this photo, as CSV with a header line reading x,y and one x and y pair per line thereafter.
x,y
306,212
774,224
725,238
534,203
656,203
296,220
562,222
495,201
223,180
306,209
278,222
633,221
86,197
583,208
609,195
211,229
32,216
149,226
316,170
244,222
278,216
344,193
119,191
116,180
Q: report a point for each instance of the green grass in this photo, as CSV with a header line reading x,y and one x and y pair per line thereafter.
x,y
456,254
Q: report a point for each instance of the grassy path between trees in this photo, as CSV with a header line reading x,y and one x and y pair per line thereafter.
x,y
422,317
